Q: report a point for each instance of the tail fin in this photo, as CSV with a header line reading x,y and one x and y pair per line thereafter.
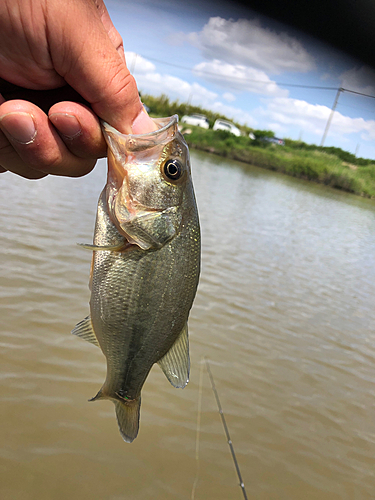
x,y
127,413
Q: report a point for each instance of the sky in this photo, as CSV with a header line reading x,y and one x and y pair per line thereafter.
x,y
254,70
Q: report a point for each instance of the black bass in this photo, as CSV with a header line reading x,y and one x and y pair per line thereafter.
x,y
145,267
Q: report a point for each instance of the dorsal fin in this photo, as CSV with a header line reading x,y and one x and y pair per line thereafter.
x,y
85,330
176,363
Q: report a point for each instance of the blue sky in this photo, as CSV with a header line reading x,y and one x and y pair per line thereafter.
x,y
232,60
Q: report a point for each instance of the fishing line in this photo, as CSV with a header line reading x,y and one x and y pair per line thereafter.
x,y
242,485
197,439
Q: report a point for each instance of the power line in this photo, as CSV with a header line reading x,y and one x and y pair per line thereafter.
x,y
339,90
358,93
281,84
237,78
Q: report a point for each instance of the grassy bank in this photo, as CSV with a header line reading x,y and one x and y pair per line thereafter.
x,y
327,165
311,164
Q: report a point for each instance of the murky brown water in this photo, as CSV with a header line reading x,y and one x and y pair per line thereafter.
x,y
285,313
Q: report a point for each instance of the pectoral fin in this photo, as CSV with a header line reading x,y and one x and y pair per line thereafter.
x,y
85,330
176,363
111,248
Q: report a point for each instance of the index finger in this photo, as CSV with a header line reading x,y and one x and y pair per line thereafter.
x,y
88,60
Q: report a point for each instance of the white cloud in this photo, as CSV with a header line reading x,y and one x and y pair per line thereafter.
x,y
175,88
313,118
158,84
233,113
137,63
286,111
228,96
148,80
359,79
279,113
246,42
279,129
238,77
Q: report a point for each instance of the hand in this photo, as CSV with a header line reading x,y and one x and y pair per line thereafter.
x,y
62,66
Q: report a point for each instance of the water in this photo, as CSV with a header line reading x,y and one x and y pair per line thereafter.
x,y
284,312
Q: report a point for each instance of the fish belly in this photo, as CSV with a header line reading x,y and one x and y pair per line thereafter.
x,y
140,302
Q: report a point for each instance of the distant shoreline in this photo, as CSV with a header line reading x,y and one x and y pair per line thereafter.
x,y
312,165
330,166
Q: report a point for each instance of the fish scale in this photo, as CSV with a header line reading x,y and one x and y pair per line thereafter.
x,y
146,266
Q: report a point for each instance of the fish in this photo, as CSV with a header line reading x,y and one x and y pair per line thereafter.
x,y
145,266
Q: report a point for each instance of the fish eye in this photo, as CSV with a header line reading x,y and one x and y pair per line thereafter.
x,y
173,169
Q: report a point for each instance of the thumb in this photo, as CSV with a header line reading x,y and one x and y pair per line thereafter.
x,y
91,61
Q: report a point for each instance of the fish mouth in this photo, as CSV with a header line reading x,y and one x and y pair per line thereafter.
x,y
123,149
149,227
123,144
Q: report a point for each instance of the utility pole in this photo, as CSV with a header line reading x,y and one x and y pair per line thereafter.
x,y
188,104
331,115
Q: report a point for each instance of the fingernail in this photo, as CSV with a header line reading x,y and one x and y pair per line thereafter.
x,y
143,124
66,124
19,126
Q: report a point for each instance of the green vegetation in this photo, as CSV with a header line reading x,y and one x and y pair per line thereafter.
x,y
327,165
162,106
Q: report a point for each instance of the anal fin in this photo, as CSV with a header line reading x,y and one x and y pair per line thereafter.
x,y
176,363
85,330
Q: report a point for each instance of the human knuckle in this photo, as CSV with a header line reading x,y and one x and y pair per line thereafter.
x,y
115,37
45,160
122,83
6,149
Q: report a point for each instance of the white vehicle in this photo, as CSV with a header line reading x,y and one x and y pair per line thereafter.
x,y
228,126
197,120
